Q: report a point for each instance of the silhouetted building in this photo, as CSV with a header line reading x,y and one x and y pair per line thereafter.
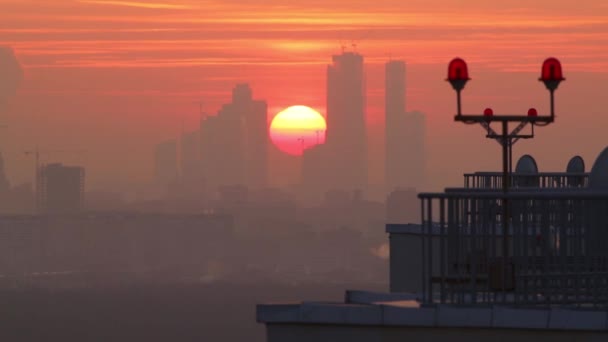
x,y
235,142
346,136
256,125
396,168
316,169
448,279
211,154
4,184
165,162
190,154
5,188
61,188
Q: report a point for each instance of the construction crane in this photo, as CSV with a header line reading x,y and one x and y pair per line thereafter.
x,y
302,140
318,131
201,109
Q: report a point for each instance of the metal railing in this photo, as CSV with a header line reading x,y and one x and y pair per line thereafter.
x,y
493,180
557,250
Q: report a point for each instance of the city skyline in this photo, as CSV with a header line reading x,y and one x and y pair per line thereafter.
x,y
97,75
169,167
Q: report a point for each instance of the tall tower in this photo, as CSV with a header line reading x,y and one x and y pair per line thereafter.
x,y
61,188
395,165
235,142
346,137
190,155
257,141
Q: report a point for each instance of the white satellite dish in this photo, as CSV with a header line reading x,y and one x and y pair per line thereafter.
x,y
598,178
576,165
525,169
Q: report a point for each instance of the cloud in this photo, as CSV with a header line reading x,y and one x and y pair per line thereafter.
x,y
11,74
151,5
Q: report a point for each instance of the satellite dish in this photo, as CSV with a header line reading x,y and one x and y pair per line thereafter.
x,y
598,178
525,170
576,165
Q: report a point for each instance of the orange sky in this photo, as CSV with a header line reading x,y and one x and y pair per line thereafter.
x,y
114,77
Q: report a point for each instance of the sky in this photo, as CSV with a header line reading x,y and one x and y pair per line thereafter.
x,y
106,80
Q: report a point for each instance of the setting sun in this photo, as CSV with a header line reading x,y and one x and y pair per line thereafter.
x,y
297,128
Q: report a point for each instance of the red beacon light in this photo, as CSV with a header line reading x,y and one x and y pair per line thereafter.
x,y
488,112
532,112
551,73
458,73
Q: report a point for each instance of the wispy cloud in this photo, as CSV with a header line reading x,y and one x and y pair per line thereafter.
x,y
152,5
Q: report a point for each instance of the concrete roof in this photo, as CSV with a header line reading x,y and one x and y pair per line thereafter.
x,y
404,312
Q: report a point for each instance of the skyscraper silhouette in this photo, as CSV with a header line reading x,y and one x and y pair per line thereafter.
x,y
346,136
190,155
61,188
395,165
4,184
5,188
235,142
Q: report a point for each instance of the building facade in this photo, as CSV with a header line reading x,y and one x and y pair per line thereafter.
x,y
235,142
61,189
467,272
396,164
346,136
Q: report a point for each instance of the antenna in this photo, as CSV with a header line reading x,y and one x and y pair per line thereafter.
x,y
201,109
342,45
354,45
301,140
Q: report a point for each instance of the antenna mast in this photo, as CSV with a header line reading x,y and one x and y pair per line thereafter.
x,y
202,110
318,132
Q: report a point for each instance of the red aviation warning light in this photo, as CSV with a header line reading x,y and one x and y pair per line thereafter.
x,y
551,73
458,73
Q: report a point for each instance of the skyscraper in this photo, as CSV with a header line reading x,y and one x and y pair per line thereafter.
x,y
404,134
256,152
190,155
4,184
395,165
61,188
5,188
346,136
235,142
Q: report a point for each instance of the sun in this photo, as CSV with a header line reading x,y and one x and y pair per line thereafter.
x,y
297,128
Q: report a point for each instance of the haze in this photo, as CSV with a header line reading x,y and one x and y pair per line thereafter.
x,y
116,77
116,86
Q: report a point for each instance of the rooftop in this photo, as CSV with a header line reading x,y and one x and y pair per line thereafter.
x,y
385,309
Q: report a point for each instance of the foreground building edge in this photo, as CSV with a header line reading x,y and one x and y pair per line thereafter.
x,y
370,316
